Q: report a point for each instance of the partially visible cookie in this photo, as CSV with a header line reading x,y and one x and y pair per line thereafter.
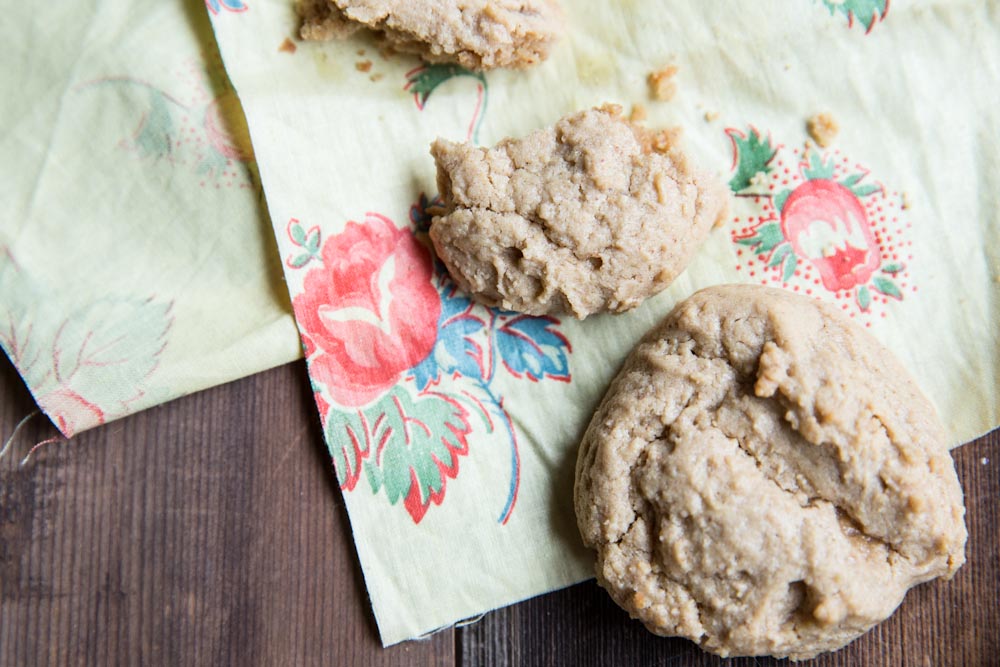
x,y
477,34
763,477
594,214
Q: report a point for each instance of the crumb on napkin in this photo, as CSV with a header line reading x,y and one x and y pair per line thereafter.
x,y
823,128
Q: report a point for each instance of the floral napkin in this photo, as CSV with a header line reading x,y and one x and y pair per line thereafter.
x,y
454,427
136,259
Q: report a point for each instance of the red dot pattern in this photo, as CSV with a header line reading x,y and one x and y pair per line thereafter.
x,y
195,85
885,213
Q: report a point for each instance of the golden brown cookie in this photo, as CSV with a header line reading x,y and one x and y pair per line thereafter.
x,y
763,477
593,214
478,34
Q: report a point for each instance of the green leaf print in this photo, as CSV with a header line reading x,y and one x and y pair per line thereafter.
x,y
779,254
426,436
818,167
866,12
423,80
887,287
780,199
893,268
753,156
791,264
352,431
865,190
153,138
765,238
406,446
864,297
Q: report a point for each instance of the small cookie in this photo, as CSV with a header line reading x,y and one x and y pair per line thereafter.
x,y
763,477
478,34
594,214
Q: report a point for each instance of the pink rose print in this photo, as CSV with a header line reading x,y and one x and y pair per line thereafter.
x,y
825,223
403,366
370,310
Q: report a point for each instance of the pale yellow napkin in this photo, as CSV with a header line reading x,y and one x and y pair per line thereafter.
x,y
136,261
454,428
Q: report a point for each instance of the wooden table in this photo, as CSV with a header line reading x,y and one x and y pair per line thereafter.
x,y
212,531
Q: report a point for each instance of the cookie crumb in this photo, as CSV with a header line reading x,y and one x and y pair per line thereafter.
x,y
611,109
823,129
360,52
377,76
363,66
287,46
638,113
662,86
905,202
665,140
711,116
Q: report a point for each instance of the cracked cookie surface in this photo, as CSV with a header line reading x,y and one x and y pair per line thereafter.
x,y
593,214
478,34
763,477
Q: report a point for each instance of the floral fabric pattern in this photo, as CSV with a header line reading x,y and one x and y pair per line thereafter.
x,y
369,312
819,220
384,331
216,6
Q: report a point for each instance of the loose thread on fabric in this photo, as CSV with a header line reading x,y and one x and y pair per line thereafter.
x,y
47,441
469,621
17,429
458,624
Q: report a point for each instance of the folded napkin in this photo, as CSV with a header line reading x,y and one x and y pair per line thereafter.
x,y
454,427
136,261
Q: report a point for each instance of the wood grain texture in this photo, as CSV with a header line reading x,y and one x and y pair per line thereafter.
x,y
207,531
211,531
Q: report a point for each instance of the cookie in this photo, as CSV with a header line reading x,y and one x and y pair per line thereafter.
x,y
593,214
477,34
763,477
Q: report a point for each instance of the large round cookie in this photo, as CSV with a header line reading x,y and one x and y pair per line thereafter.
x,y
763,477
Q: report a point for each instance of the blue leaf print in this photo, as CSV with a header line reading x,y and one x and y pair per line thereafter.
x,y
530,347
215,6
452,303
426,372
457,351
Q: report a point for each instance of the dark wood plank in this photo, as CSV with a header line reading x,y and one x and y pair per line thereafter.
x,y
211,530
940,623
206,531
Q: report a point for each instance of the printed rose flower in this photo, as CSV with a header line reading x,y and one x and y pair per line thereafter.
x,y
825,222
370,312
